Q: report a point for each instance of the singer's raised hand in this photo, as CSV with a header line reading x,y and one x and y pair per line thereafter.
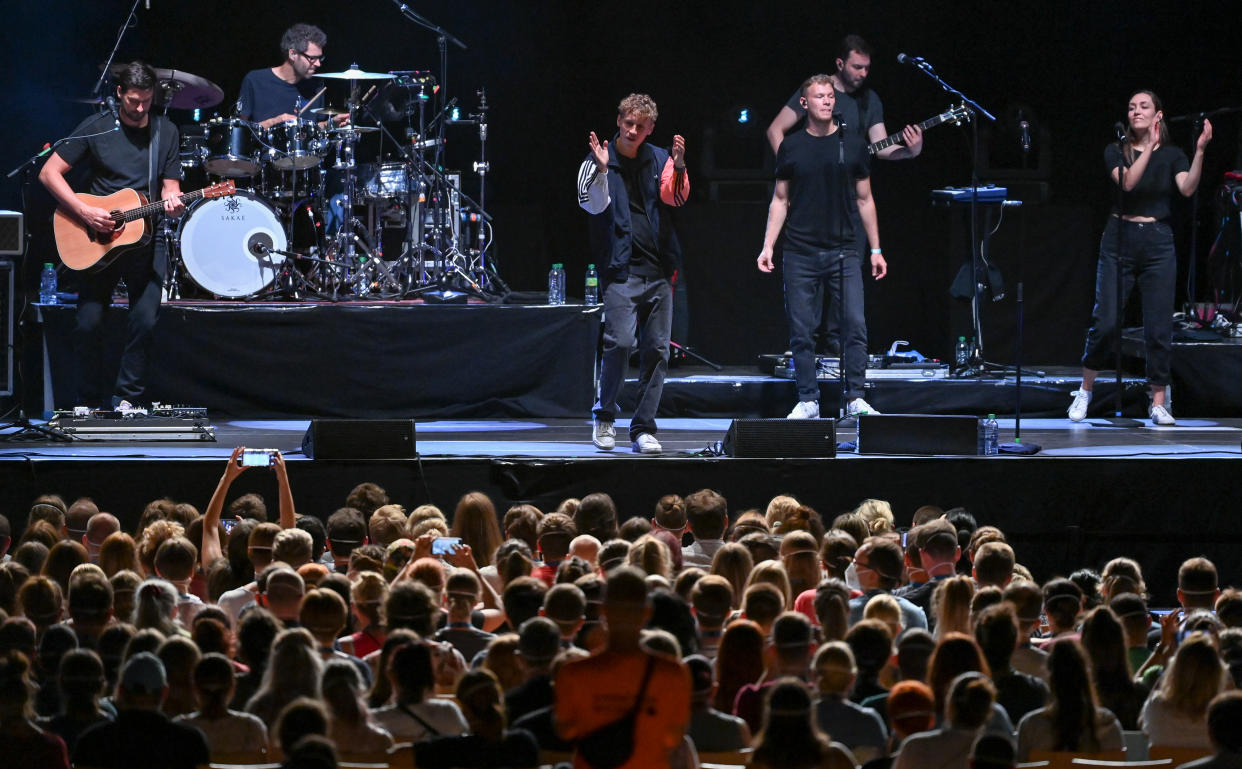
x,y
679,151
1204,137
600,152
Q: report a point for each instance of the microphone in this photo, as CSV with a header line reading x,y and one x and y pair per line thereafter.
x,y
111,102
914,60
1119,129
1025,128
260,244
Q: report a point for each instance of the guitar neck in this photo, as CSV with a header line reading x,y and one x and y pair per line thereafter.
x,y
889,141
151,209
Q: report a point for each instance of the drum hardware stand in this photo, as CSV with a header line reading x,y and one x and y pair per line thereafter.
x,y
290,281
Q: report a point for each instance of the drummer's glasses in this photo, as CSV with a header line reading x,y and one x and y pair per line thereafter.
x,y
312,59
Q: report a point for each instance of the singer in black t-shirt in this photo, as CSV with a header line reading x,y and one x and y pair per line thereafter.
x,y
817,169
117,160
1148,171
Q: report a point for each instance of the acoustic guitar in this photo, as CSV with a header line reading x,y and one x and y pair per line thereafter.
x,y
84,248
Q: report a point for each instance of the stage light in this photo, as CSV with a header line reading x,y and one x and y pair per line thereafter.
x,y
455,114
197,116
743,115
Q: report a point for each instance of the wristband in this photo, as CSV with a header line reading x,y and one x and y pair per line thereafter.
x,y
877,251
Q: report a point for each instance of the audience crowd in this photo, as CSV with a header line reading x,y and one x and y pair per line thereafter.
x,y
651,639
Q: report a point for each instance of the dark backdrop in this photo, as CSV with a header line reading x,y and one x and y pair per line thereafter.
x,y
554,70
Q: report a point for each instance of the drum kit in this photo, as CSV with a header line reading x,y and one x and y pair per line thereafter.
x,y
309,221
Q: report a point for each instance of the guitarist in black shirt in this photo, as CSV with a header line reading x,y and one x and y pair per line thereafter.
x,y
118,160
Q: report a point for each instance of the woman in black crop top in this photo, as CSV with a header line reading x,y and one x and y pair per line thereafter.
x,y
1148,171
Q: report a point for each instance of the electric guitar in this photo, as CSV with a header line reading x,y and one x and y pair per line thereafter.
x,y
955,115
82,247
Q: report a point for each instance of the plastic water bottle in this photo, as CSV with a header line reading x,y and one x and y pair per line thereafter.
x,y
590,293
47,285
989,436
556,284
961,355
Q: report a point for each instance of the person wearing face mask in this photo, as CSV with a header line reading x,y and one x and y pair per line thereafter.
x,y
1148,169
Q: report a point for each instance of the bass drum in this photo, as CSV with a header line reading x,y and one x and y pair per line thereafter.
x,y
223,242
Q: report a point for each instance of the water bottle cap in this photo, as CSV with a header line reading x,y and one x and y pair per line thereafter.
x,y
991,416
961,339
590,266
47,265
557,265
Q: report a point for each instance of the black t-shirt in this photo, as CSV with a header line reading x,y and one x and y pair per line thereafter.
x,y
264,95
119,159
859,110
644,258
1153,194
821,171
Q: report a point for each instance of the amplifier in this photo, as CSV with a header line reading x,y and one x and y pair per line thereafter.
x,y
12,233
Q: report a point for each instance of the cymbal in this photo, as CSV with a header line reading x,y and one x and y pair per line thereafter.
x,y
330,111
355,129
85,99
354,73
179,90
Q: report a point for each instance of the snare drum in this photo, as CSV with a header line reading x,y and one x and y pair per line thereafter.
x,y
296,145
232,148
223,241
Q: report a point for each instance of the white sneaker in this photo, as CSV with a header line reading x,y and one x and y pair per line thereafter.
x,y
604,435
805,410
1161,416
646,443
1078,409
859,407
125,408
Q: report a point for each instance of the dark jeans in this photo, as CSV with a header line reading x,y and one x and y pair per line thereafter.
x,y
145,285
632,305
1149,259
806,277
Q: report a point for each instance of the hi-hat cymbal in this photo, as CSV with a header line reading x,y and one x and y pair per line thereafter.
x,y
356,129
179,90
354,73
330,111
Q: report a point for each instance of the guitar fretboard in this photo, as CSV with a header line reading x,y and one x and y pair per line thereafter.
x,y
154,208
896,138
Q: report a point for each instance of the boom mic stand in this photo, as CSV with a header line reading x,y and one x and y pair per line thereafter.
x,y
1017,446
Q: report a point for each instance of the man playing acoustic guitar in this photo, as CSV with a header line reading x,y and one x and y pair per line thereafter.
x,y
119,160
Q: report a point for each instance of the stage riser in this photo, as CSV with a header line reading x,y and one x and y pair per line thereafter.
x,y
349,360
1060,514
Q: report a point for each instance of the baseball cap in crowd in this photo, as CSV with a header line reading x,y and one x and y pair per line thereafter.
x,y
143,674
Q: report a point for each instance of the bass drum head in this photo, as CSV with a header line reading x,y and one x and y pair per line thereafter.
x,y
219,238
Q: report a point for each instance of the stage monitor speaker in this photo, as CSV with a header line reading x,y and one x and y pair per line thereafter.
x,y
12,233
918,434
781,438
360,439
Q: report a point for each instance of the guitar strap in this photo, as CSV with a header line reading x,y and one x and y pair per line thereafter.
x,y
153,149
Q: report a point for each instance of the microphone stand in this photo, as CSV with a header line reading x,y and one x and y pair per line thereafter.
x,y
103,75
977,360
1017,446
1118,283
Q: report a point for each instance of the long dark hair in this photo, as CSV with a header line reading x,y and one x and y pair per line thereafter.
x,y
1073,702
1128,144
790,737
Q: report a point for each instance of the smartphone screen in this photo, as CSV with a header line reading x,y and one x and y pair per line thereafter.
x,y
228,524
445,545
256,458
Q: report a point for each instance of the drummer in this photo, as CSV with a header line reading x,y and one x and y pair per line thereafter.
x,y
274,95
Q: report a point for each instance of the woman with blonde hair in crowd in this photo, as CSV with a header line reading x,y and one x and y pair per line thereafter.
x,y
733,562
780,506
475,522
119,551
1175,715
772,573
651,555
878,515
155,606
349,724
367,594
951,605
